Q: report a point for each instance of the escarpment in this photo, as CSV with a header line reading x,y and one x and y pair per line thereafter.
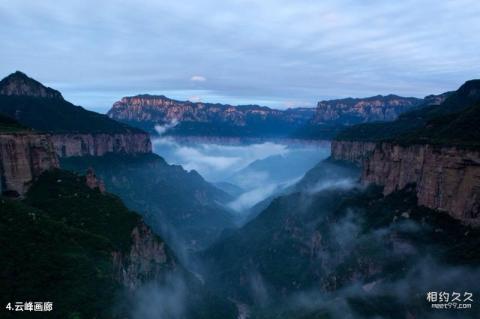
x,y
447,178
185,118
435,148
99,144
351,151
361,110
23,157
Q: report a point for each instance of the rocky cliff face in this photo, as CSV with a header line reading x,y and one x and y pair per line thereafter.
x,y
446,178
67,145
146,260
23,157
353,110
18,84
147,111
161,110
351,151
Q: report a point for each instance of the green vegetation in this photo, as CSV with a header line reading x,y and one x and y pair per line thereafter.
x,y
451,123
170,198
459,129
57,245
59,116
9,125
330,243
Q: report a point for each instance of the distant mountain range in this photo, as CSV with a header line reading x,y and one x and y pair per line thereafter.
x,y
206,119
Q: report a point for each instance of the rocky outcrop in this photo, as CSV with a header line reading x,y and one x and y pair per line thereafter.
x,y
147,259
437,99
351,151
362,110
67,145
18,84
446,178
23,157
93,182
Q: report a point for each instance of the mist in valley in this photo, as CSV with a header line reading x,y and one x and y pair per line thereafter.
x,y
310,238
249,173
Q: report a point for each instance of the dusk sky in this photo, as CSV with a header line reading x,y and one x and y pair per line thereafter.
x,y
276,53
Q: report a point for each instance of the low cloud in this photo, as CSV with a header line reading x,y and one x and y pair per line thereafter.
x,y
198,78
195,98
215,162
339,184
161,301
161,129
250,198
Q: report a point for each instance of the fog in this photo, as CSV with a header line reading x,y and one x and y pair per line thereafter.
x,y
248,172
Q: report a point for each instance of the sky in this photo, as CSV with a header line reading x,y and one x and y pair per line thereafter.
x,y
279,53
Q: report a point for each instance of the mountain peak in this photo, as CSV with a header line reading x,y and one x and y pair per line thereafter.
x,y
467,95
18,83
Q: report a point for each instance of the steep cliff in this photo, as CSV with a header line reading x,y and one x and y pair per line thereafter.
x,y
446,178
75,131
360,110
99,144
23,157
351,151
148,259
197,119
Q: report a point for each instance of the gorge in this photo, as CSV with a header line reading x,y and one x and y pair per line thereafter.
x,y
235,226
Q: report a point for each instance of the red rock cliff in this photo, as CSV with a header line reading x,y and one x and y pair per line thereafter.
x,y
23,157
446,178
67,145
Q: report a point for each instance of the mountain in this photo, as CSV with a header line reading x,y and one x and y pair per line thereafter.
x,y
361,110
177,203
434,148
188,211
333,117
75,131
91,256
19,84
70,232
467,95
341,251
207,119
